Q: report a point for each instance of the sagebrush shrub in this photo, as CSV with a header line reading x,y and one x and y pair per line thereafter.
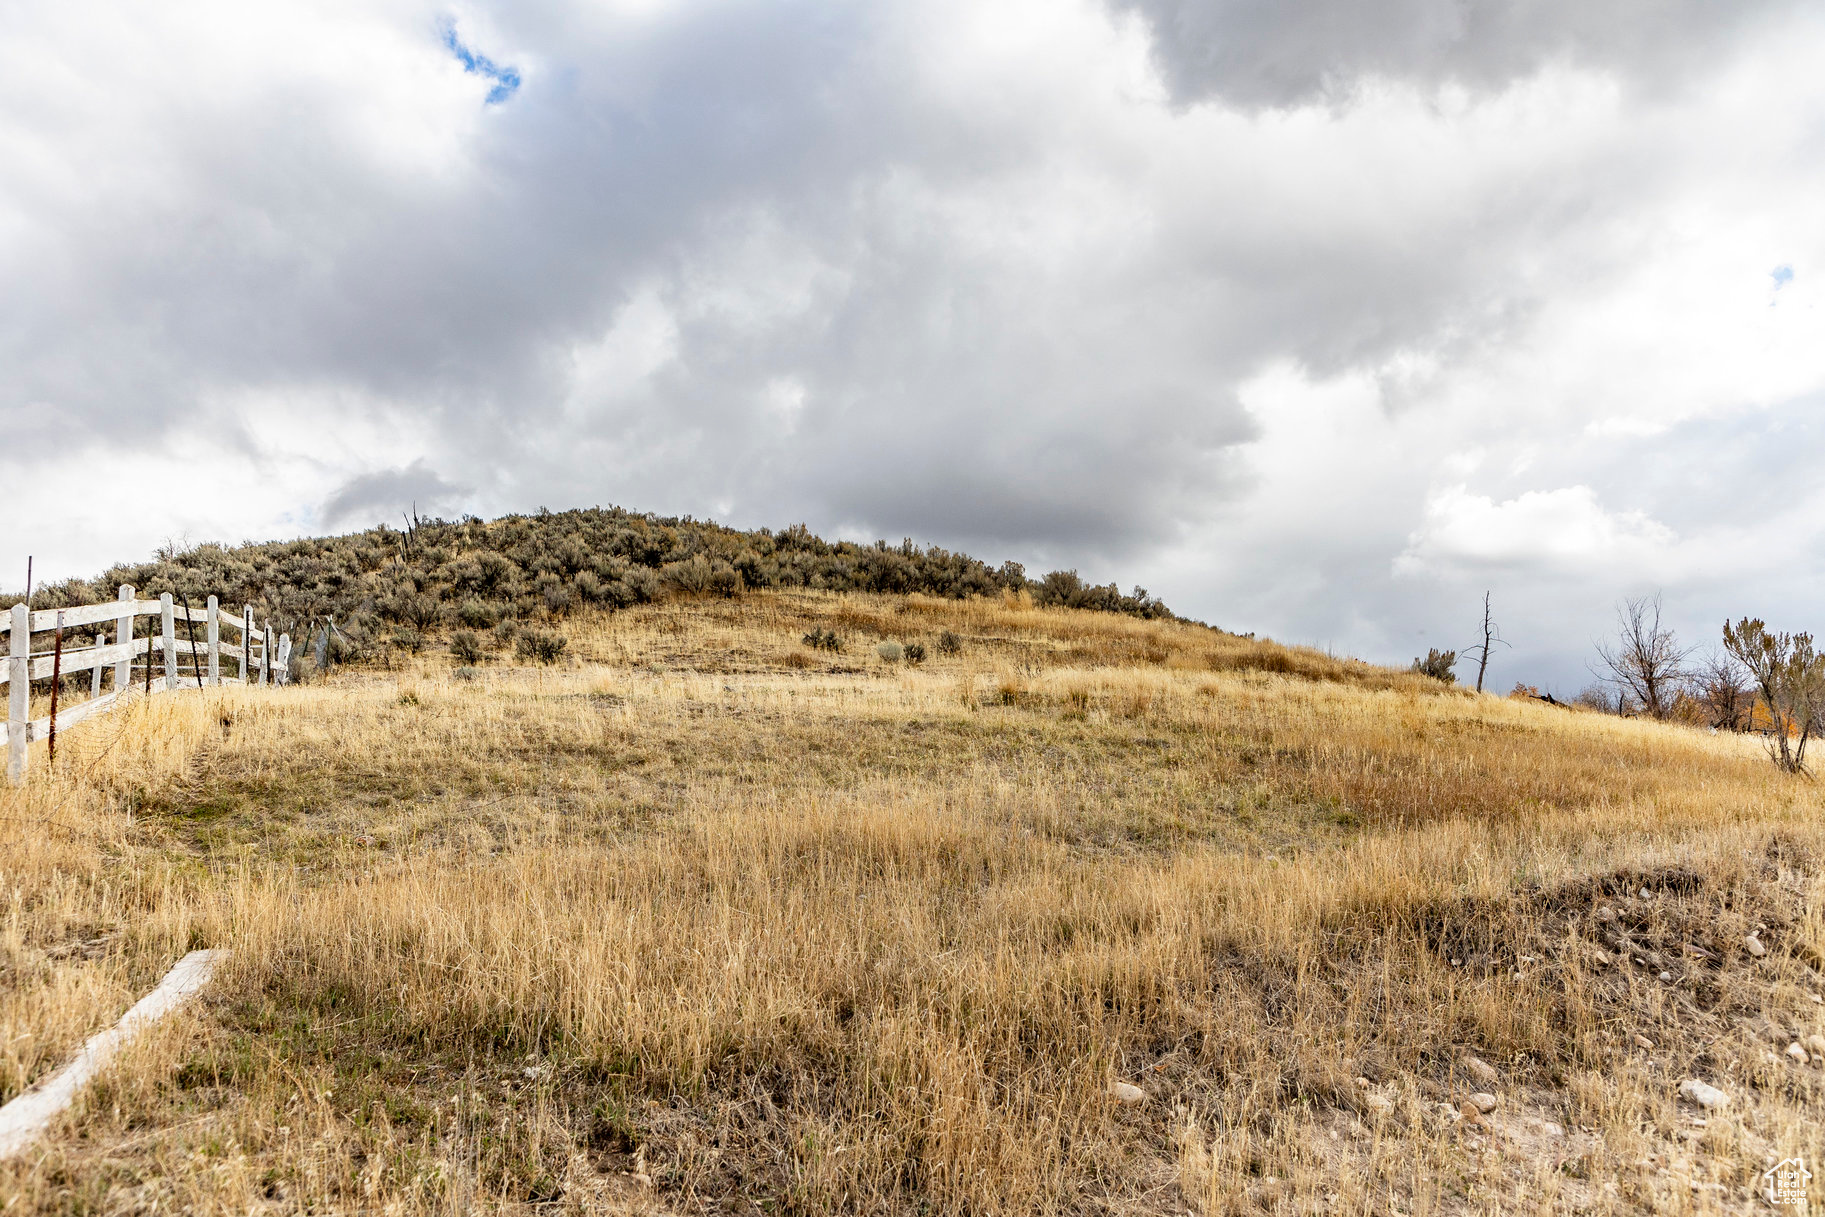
x,y
915,652
544,646
478,615
823,640
949,644
890,651
466,646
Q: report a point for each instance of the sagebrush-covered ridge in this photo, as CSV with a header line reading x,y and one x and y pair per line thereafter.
x,y
477,574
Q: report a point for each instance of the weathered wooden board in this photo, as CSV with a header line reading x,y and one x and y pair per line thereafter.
x,y
79,659
88,614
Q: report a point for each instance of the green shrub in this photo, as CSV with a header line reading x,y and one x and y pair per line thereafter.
x,y
915,652
466,646
478,615
1438,665
408,639
414,609
890,651
823,640
544,646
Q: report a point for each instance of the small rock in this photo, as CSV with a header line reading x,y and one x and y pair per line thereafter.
x,y
1816,1043
1755,946
1798,1052
1708,1097
1600,957
1606,915
1815,997
1642,1041
1666,976
1379,1102
1124,1092
1481,1070
1645,894
1485,1102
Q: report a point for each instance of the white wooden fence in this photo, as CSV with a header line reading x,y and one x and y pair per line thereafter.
x,y
69,653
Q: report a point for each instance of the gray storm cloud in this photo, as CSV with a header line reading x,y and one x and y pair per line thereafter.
x,y
1264,53
1310,321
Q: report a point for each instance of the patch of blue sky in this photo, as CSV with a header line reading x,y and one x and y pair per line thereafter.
x,y
506,80
1782,276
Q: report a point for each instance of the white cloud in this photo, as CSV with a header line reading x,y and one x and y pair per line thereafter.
x,y
1561,530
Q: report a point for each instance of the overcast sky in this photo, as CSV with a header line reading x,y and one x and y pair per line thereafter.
x,y
1317,319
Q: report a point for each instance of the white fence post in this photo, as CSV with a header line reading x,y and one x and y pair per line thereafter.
x,y
123,634
95,666
168,635
282,667
19,699
215,642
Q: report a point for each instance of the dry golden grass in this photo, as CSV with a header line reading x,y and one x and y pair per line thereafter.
x,y
708,921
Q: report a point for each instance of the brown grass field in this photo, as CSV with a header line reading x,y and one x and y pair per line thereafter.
x,y
703,920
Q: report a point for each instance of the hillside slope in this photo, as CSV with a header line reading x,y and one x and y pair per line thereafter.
x,y
385,588
701,918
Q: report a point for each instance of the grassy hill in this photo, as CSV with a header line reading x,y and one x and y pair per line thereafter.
x,y
388,590
701,918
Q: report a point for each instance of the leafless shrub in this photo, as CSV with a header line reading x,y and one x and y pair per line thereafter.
x,y
1646,661
1723,692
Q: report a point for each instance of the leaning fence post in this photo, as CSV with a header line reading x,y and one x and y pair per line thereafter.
x,y
168,636
215,642
19,695
123,634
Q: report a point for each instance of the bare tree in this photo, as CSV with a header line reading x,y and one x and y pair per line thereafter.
x,y
1726,693
1646,662
1790,675
1492,637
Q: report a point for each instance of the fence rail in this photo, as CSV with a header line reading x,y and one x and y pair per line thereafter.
x,y
258,657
